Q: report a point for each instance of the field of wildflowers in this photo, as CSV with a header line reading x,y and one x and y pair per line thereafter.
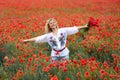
x,y
94,53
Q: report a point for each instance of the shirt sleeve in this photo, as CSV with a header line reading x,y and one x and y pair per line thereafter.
x,y
41,39
71,30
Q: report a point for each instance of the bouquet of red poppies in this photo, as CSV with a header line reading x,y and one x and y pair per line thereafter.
x,y
93,22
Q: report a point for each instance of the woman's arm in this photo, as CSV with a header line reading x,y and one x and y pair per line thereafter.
x,y
74,29
81,27
29,40
38,39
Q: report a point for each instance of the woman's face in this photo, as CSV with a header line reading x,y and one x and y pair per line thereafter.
x,y
53,24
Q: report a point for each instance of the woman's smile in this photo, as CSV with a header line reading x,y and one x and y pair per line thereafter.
x,y
53,24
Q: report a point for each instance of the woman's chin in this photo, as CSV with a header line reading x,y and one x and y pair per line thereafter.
x,y
53,27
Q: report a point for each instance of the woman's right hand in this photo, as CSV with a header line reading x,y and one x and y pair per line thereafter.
x,y
24,41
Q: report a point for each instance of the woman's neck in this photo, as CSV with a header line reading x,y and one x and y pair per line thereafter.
x,y
54,30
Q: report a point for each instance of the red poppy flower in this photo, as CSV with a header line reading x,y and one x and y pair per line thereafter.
x,y
30,59
102,71
83,62
67,79
87,74
65,69
46,69
116,69
54,78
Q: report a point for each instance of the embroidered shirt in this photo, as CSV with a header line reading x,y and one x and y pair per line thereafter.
x,y
58,42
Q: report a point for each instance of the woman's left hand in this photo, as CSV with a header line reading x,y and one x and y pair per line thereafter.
x,y
86,26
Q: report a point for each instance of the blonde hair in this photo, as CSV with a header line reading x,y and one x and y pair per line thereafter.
x,y
47,26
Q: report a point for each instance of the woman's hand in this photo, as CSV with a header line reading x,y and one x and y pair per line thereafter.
x,y
82,27
24,41
86,26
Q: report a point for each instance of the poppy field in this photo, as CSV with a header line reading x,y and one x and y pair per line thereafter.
x,y
94,52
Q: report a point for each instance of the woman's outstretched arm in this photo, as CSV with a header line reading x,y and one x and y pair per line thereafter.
x,y
74,29
38,39
29,40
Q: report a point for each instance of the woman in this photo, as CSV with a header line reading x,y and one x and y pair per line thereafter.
x,y
56,38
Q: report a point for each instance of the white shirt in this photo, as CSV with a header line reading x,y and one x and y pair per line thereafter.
x,y
58,42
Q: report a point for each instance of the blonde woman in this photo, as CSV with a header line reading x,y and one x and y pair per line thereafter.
x,y
56,38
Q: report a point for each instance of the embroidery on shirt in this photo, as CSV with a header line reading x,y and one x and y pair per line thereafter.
x,y
62,39
53,41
